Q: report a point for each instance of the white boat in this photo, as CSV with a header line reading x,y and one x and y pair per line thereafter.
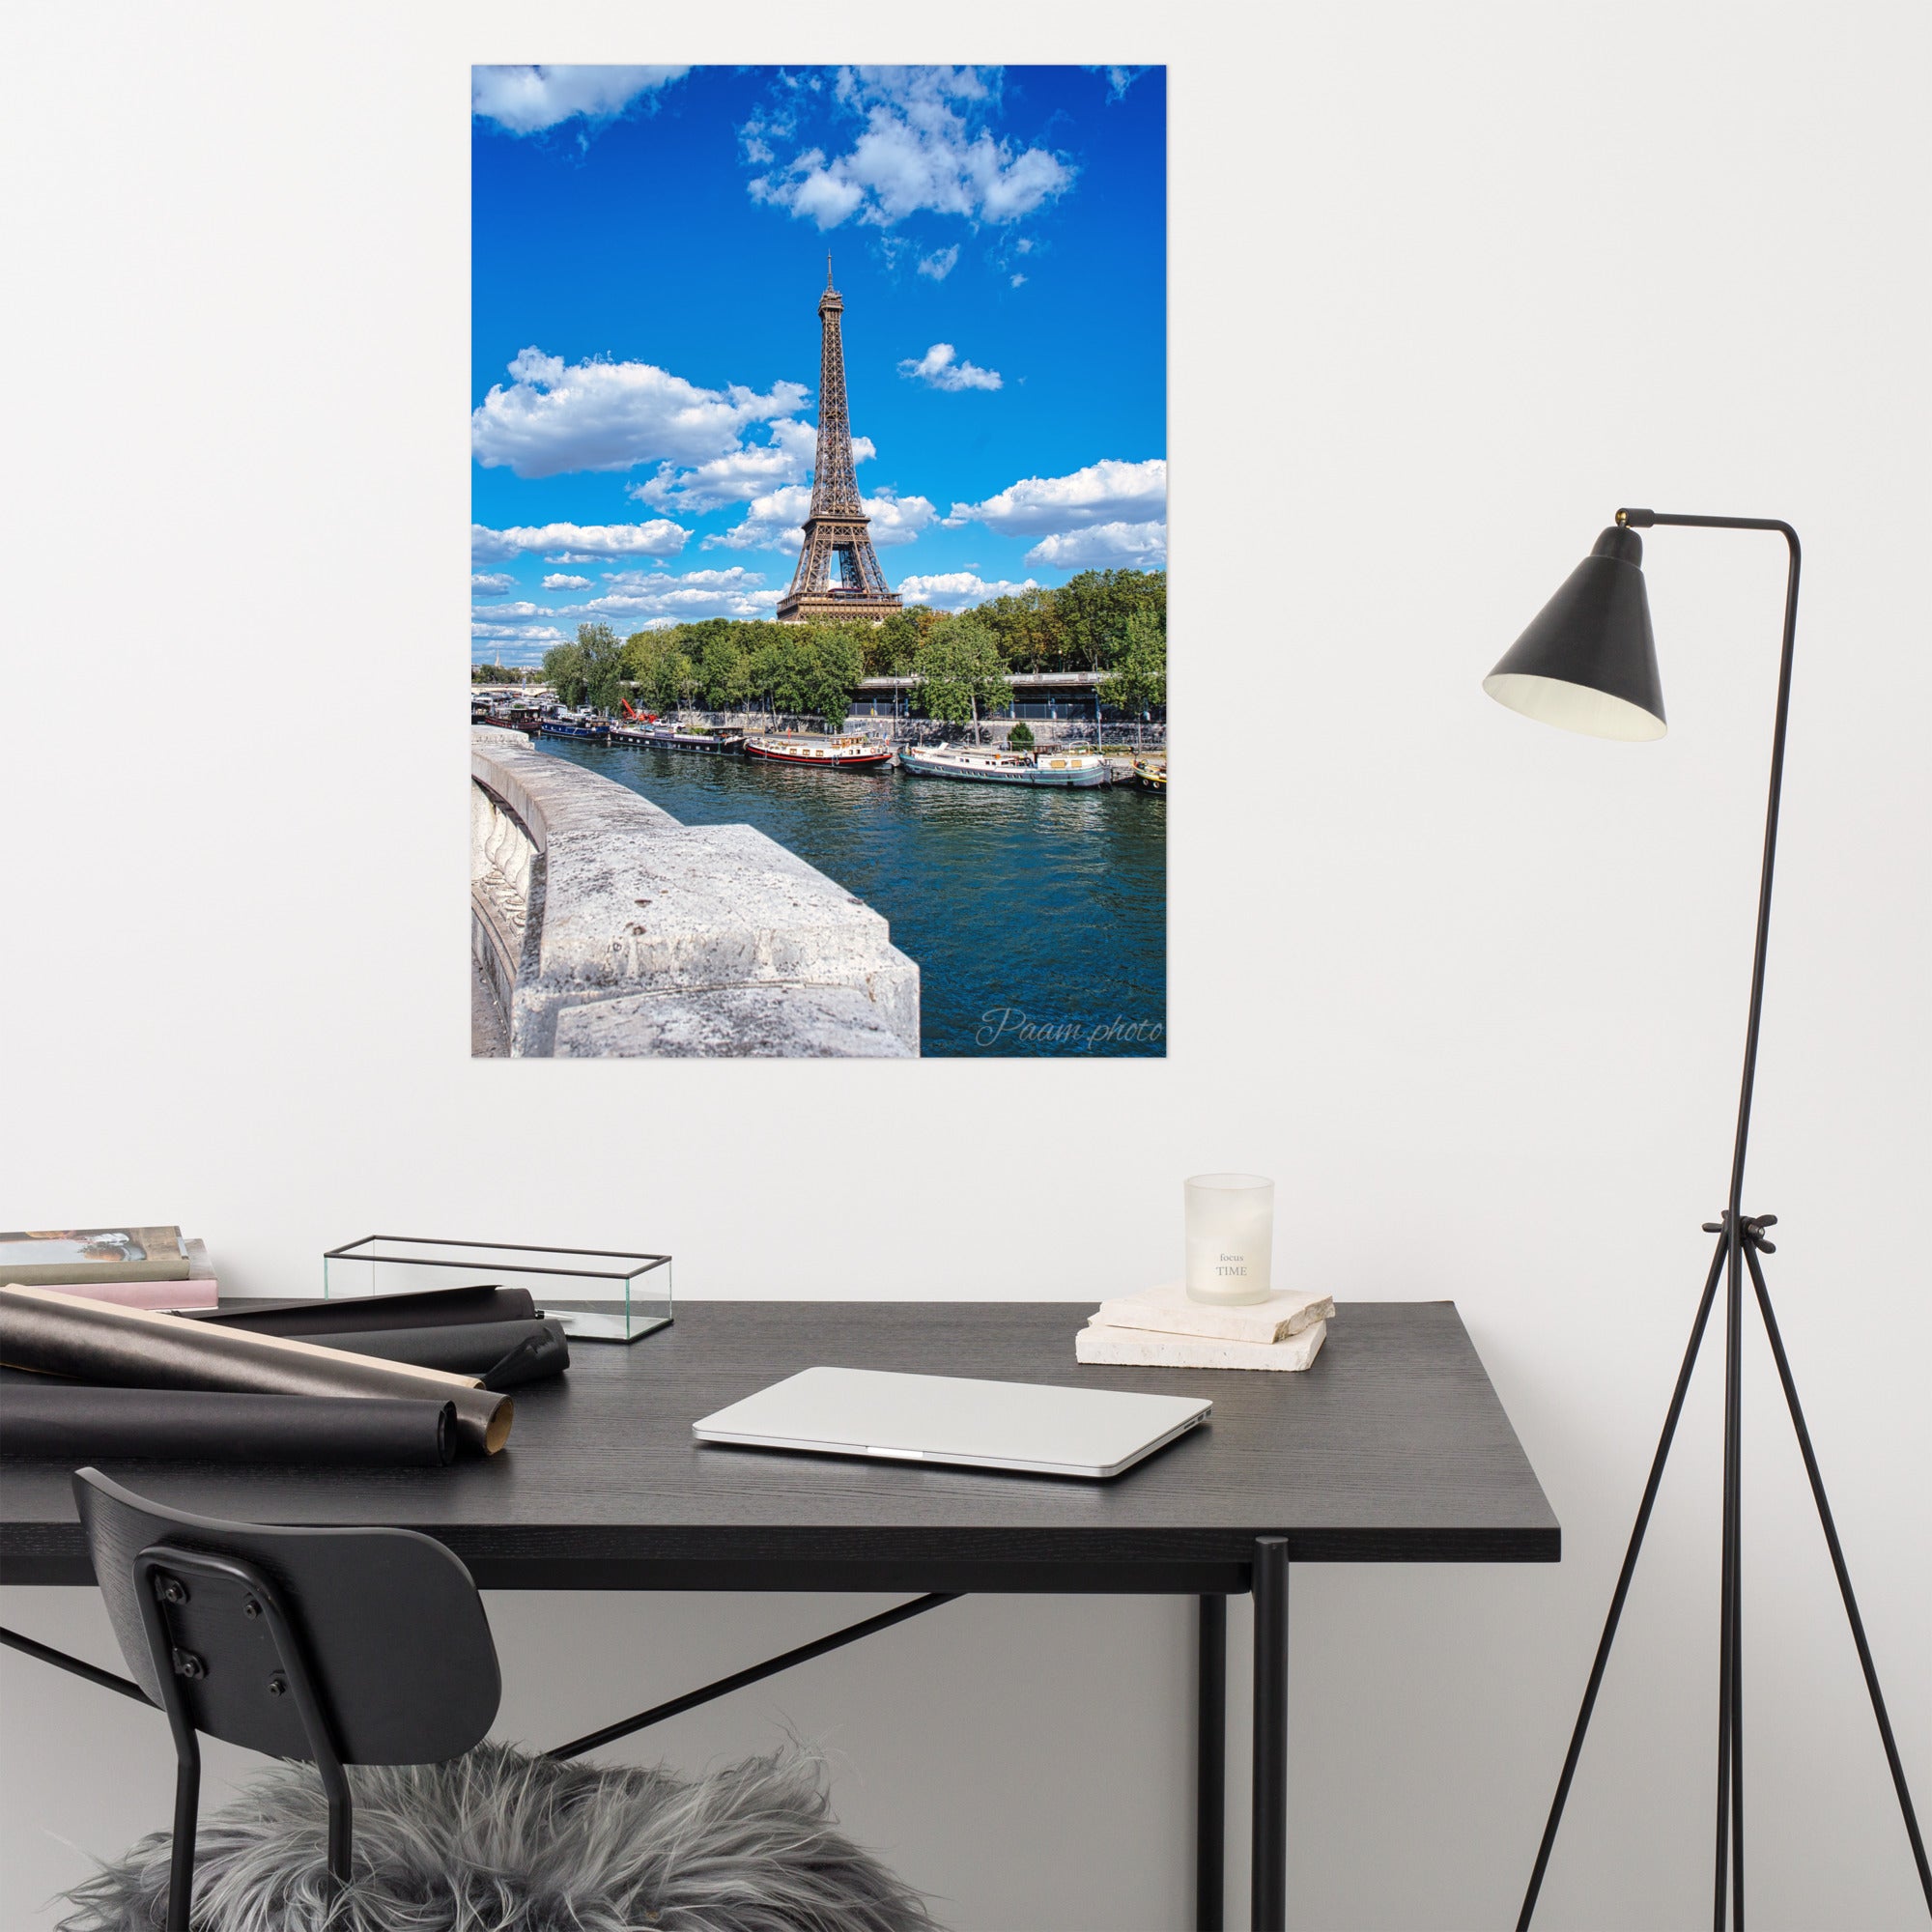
x,y
847,752
995,767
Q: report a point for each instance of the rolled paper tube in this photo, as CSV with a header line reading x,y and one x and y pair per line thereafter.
x,y
363,1314
525,1363
466,1348
69,1423
136,1348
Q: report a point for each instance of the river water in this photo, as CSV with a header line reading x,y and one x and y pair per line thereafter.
x,y
1038,916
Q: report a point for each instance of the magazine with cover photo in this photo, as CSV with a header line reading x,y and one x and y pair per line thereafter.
x,y
56,1255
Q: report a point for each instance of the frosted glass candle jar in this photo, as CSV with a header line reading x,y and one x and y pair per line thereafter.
x,y
1229,1237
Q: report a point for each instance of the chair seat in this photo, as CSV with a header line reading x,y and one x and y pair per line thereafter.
x,y
499,1841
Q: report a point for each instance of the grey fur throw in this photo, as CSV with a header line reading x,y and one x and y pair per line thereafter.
x,y
496,1841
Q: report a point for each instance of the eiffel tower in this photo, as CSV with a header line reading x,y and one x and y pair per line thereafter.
x,y
835,525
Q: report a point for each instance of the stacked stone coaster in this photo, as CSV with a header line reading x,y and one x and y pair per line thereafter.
x,y
1162,1329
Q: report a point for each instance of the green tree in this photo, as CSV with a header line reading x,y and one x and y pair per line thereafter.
x,y
655,665
724,672
564,668
961,672
1138,679
833,662
590,672
777,667
1022,626
1020,737
770,665
891,647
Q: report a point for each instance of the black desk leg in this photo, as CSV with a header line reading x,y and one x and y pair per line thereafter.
x,y
1210,1765
1269,1893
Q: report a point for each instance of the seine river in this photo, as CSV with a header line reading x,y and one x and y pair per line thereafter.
x,y
1038,916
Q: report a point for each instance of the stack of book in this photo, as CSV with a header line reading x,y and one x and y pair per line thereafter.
x,y
131,1267
1162,1329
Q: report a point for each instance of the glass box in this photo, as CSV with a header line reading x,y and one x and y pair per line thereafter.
x,y
599,1296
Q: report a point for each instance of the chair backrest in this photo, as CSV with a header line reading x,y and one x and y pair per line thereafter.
x,y
390,1630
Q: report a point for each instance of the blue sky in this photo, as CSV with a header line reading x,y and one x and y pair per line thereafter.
x,y
649,248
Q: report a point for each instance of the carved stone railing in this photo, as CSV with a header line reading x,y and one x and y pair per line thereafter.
x,y
603,926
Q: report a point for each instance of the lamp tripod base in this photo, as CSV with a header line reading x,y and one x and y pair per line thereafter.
x,y
1741,1240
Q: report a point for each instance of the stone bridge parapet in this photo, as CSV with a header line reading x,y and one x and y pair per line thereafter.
x,y
604,927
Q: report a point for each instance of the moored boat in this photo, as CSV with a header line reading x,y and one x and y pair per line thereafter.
x,y
847,752
1150,769
507,716
996,767
645,727
573,725
706,741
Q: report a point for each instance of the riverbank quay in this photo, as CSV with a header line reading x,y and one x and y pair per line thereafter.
x,y
874,716
604,928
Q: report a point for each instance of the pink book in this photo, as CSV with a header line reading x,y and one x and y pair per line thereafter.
x,y
160,1295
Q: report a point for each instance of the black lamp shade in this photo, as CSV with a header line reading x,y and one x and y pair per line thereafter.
x,y
1588,662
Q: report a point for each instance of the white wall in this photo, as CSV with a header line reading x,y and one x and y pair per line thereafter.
x,y
1448,285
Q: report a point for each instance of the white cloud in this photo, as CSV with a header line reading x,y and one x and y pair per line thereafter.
x,y
649,582
937,370
1106,491
642,599
498,613
742,473
555,417
1102,547
897,520
957,590
817,194
581,543
1019,281
524,99
775,522
558,581
858,86
539,634
1120,80
495,584
924,147
940,262
771,522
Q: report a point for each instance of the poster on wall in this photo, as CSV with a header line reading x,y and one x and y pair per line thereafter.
x,y
819,582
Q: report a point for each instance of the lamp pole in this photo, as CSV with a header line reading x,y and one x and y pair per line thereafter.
x,y
1731,1644
1741,1240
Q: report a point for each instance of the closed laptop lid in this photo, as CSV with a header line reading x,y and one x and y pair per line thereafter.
x,y
1058,1431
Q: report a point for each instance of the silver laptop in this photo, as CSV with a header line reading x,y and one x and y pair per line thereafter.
x,y
980,1425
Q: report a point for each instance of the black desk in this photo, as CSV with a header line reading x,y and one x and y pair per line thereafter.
x,y
1391,1448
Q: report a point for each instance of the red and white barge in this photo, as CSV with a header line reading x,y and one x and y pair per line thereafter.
x,y
848,751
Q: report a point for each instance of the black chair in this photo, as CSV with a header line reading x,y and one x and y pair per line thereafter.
x,y
330,1646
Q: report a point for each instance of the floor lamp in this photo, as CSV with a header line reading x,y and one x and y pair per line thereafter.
x,y
1588,662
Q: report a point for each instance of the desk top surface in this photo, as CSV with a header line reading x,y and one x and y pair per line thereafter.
x,y
1391,1447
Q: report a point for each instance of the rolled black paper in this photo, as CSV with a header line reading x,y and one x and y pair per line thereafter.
x,y
137,1347
363,1314
525,1363
466,1348
72,1424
